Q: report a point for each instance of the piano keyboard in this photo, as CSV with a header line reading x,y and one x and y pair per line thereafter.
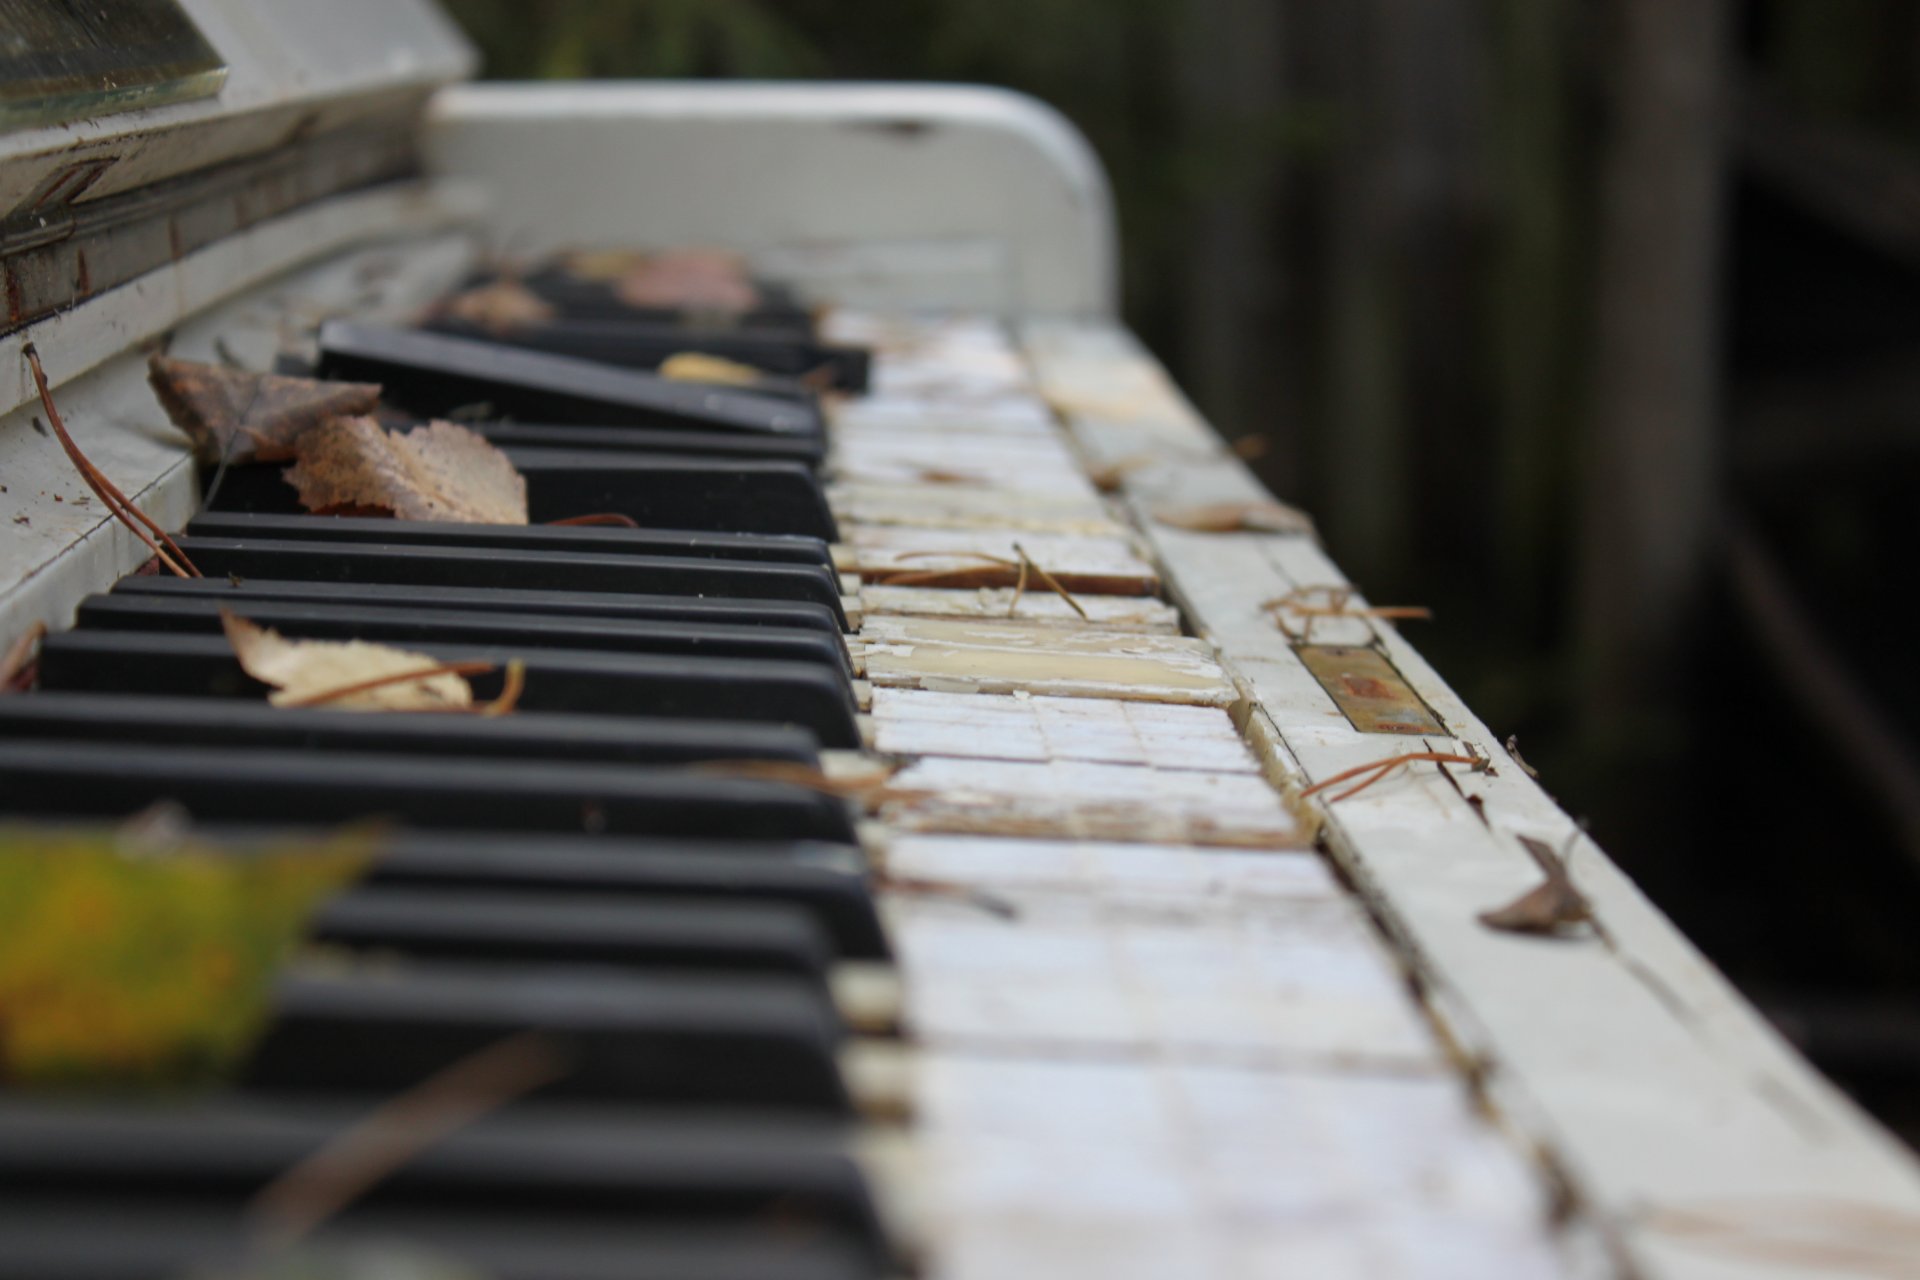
x,y
1067,993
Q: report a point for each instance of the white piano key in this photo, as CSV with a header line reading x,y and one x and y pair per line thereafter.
x,y
991,726
1113,613
1076,800
994,656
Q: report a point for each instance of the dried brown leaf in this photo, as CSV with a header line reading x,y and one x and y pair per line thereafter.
x,y
601,265
688,279
261,414
312,671
437,472
500,307
1238,517
16,664
1547,908
695,366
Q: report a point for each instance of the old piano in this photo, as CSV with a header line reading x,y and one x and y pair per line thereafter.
x,y
1027,946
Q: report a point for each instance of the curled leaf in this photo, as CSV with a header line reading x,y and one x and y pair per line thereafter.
x,y
437,472
1547,908
249,417
352,675
147,968
500,307
695,366
1238,517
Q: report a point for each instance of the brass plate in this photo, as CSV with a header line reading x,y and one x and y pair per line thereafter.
x,y
64,61
1368,689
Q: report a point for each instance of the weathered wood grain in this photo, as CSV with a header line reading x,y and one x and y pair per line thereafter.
x,y
1073,799
993,727
997,656
1112,613
1065,509
1020,464
1106,566
1076,1170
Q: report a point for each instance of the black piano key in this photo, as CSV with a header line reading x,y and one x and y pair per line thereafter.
x,y
828,881
397,625
811,695
64,779
656,491
777,312
468,567
589,540
725,1040
659,491
640,344
432,374
481,925
570,604
581,1164
810,450
63,1240
229,722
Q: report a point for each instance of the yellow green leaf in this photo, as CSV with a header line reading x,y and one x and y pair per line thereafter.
x,y
131,968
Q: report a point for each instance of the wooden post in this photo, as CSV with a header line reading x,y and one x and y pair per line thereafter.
x,y
1647,492
1233,98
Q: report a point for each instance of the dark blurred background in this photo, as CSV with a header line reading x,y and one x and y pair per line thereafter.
x,y
1592,324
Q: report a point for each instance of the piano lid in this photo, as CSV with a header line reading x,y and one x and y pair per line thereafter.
x,y
93,108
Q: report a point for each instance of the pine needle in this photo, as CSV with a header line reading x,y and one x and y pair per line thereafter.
x,y
116,502
1379,769
1027,561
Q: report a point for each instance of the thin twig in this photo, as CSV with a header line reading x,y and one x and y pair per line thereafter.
x,y
352,1162
1338,605
926,577
1019,588
1381,768
116,502
226,450
473,667
1027,561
